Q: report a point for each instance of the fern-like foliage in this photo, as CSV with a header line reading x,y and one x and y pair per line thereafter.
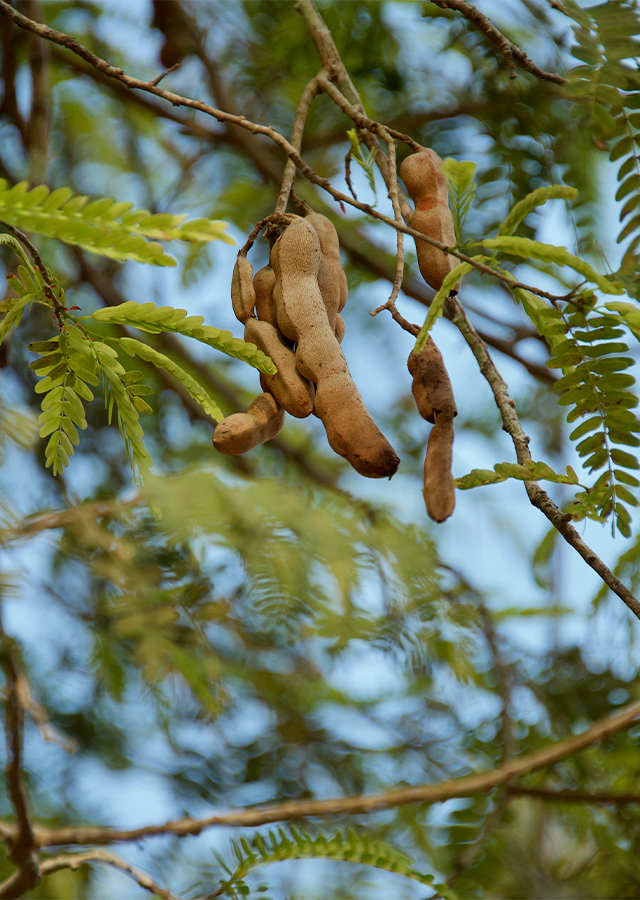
x,y
67,368
587,347
149,354
519,212
119,395
511,245
154,319
102,226
366,162
606,93
530,471
352,847
437,304
70,364
462,189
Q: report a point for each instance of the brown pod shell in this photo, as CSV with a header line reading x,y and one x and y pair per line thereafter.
x,y
263,282
431,386
426,185
243,296
351,431
290,389
331,277
243,431
302,317
439,486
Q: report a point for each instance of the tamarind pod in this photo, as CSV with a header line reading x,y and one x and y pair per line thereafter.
x,y
302,317
289,388
439,486
431,386
340,328
243,431
331,277
263,282
425,182
350,430
243,296
296,258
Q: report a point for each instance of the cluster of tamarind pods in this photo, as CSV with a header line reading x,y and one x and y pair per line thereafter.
x,y
291,311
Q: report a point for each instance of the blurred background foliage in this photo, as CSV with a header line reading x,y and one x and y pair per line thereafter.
x,y
286,630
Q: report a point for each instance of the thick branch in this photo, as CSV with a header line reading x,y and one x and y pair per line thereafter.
x,y
298,809
509,50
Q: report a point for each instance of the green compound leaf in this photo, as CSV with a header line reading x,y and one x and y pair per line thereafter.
x,y
103,226
117,395
64,366
521,210
149,354
155,319
530,471
274,847
437,304
523,247
460,182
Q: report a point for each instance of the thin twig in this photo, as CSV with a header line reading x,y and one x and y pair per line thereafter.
x,y
267,165
164,74
417,289
298,809
49,291
509,50
39,117
370,126
538,497
63,518
77,860
397,214
302,110
22,845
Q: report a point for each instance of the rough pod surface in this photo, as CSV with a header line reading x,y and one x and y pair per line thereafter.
x,y
243,431
296,258
426,185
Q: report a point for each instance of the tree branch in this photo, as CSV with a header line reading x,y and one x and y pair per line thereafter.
x,y
65,40
77,860
538,497
22,845
563,796
338,806
509,50
307,97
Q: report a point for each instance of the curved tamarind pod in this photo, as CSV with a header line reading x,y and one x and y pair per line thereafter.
x,y
263,282
427,187
331,277
242,431
340,328
431,386
289,388
439,487
302,317
351,431
243,296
